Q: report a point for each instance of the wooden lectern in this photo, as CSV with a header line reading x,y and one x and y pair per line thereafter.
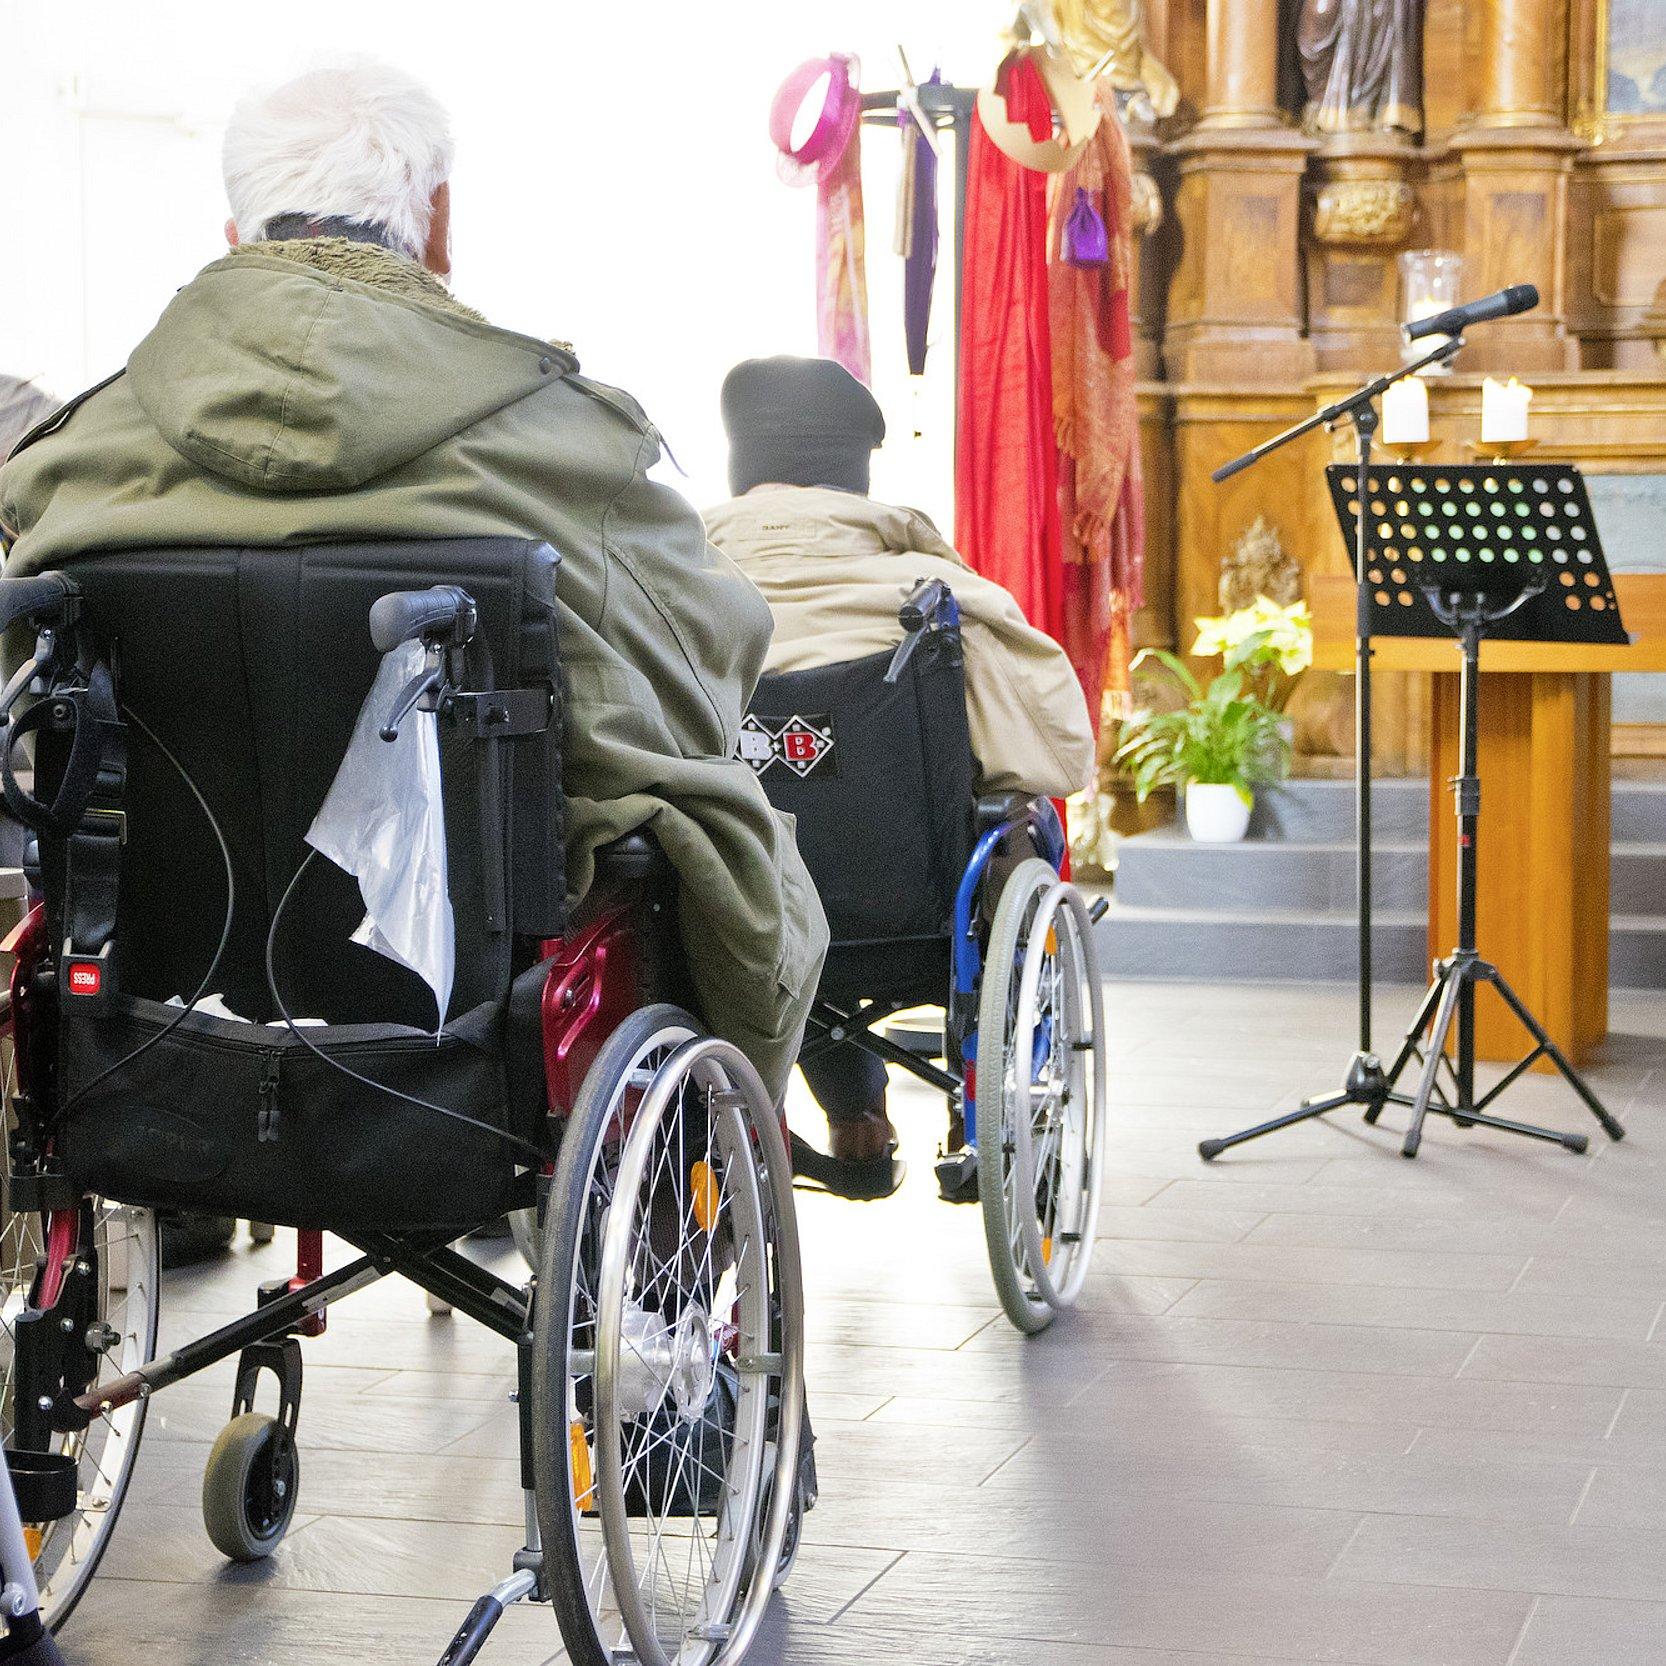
x,y
1544,755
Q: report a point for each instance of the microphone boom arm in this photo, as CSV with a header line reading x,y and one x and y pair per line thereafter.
x,y
1338,410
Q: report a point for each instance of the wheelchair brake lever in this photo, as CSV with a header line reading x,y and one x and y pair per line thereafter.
x,y
905,649
429,680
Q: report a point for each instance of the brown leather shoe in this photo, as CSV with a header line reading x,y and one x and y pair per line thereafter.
x,y
863,1165
862,1138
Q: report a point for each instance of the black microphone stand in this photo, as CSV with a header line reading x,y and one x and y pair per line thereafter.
x,y
1366,1083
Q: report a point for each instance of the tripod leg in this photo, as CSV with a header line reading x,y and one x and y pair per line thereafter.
x,y
1408,1048
1610,1126
1452,978
1208,1150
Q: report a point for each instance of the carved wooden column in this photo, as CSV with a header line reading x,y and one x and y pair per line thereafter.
x,y
1363,213
1517,154
1235,309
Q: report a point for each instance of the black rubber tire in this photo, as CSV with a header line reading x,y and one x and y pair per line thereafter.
x,y
249,1487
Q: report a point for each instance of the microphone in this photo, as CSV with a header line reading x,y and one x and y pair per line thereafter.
x,y
1519,297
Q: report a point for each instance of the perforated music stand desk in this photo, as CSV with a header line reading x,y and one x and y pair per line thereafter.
x,y
1488,527
1509,552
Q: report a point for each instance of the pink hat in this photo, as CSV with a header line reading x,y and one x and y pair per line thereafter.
x,y
840,110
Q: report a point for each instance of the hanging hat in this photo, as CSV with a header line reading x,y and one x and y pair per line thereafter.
x,y
1016,132
799,422
814,114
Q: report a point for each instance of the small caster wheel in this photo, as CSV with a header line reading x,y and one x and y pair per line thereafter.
x,y
438,1306
262,1232
249,1487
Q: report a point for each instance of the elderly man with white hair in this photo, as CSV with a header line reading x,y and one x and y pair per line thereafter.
x,y
320,384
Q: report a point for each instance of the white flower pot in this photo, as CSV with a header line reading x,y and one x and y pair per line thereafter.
x,y
1215,815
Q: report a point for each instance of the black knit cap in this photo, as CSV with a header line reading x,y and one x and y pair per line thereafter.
x,y
799,422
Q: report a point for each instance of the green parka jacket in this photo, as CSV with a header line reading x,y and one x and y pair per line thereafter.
x,y
328,391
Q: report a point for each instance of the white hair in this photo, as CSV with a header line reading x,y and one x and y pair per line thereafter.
x,y
354,140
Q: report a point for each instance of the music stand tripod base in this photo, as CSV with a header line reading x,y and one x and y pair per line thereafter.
x,y
1493,549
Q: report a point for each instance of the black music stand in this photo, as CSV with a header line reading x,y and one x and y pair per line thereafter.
x,y
1502,549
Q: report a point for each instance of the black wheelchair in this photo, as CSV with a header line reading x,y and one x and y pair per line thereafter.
x,y
927,885
188,710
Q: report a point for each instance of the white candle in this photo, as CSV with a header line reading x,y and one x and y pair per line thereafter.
x,y
1504,410
1406,412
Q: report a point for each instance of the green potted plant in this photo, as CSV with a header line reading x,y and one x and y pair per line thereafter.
x,y
1216,748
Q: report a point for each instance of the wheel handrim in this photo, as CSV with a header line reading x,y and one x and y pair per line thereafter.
x,y
578,1392
707,1609
1059,1108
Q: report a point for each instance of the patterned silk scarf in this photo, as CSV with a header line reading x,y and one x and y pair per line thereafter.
x,y
1095,417
841,262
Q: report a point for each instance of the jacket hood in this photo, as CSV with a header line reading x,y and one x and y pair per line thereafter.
x,y
816,520
290,377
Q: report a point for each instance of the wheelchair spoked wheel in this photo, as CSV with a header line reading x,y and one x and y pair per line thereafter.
x,y
1041,1095
127,1246
669,1337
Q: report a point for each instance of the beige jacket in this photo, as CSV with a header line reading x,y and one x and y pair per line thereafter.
x,y
834,568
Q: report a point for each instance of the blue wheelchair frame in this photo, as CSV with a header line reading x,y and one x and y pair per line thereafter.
x,y
932,607
966,955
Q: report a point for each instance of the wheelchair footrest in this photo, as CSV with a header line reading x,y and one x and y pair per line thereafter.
x,y
957,1176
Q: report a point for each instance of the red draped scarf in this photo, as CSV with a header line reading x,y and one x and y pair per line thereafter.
x,y
1006,458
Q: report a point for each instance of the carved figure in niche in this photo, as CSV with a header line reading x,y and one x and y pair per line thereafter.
x,y
1362,64
1259,565
1112,33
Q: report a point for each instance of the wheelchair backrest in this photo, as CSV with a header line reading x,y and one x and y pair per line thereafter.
x,y
879,776
251,666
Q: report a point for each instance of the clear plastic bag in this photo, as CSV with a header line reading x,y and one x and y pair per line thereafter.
x,y
383,821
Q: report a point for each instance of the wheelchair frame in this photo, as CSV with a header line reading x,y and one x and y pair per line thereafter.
x,y
594,983
1000,1169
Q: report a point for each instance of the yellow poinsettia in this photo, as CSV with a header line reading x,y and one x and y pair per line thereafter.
x,y
1288,632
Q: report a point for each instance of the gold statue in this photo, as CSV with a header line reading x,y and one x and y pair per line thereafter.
x,y
1109,36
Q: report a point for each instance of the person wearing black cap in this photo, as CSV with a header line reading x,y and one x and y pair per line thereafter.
x,y
834,565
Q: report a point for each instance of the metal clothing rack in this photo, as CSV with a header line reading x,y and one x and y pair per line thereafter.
x,y
950,110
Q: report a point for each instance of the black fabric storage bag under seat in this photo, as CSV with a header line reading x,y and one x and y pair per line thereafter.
x,y
180,1127
886,830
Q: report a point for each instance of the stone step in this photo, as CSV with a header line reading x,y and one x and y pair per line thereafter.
x,y
1639,816
1637,879
1322,812
1637,951
1166,869
1210,944
1319,947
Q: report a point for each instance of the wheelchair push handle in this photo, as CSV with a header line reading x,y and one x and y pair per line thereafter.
x,y
443,619
929,605
922,604
443,616
46,599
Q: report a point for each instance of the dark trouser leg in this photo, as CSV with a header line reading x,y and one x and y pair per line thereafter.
x,y
847,1082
